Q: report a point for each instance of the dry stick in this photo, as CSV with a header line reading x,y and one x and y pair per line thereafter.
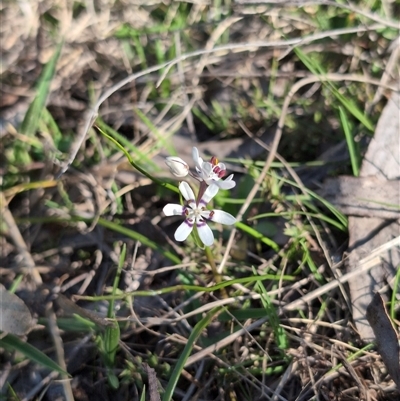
x,y
181,75
44,382
91,113
363,266
58,344
216,34
19,242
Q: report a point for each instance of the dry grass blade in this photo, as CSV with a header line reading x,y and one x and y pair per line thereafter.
x,y
268,88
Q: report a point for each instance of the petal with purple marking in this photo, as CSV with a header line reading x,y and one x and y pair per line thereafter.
x,y
205,233
183,231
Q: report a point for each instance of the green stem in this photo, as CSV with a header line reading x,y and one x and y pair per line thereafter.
x,y
217,276
136,166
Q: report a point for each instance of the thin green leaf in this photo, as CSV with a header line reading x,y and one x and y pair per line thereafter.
x,y
255,234
163,141
110,225
138,237
340,216
273,319
195,334
395,292
184,287
143,396
30,352
31,120
136,166
126,144
354,157
348,104
110,313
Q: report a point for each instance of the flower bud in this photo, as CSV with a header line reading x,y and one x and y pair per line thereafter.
x,y
178,167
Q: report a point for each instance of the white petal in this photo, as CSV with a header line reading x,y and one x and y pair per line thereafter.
x,y
226,184
219,216
183,231
198,161
173,209
186,191
210,192
206,169
179,168
205,233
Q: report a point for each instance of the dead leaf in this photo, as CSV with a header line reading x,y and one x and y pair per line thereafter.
x,y
386,337
363,196
15,317
382,161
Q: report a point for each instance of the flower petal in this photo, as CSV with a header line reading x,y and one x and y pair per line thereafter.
x,y
186,191
210,192
198,161
226,184
178,167
219,216
206,169
173,209
183,231
205,233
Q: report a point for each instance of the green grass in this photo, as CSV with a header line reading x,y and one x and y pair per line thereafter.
x,y
103,241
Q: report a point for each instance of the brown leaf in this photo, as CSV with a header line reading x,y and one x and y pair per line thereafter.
x,y
363,196
386,337
382,162
15,317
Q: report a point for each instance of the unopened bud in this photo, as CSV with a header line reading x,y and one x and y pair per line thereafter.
x,y
178,167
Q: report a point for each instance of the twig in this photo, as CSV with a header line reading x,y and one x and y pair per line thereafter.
x,y
19,242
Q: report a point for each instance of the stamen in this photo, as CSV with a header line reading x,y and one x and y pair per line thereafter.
x,y
214,161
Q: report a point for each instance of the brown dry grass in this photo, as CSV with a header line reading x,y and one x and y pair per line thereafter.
x,y
239,57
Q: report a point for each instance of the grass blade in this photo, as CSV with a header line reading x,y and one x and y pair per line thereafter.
x,y
200,326
31,120
354,156
348,104
30,352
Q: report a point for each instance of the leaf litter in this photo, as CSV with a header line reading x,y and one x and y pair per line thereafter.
x,y
72,232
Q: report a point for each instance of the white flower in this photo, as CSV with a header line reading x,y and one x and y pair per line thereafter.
x,y
178,167
196,213
212,172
